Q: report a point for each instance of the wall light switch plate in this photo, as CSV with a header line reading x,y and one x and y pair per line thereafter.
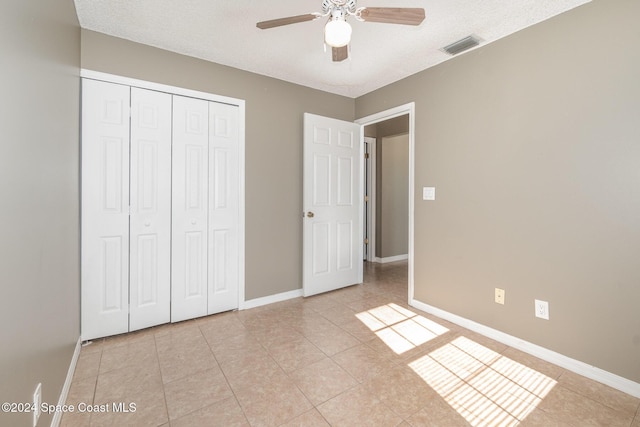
x,y
499,296
428,193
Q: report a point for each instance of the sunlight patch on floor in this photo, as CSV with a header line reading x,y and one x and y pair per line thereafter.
x,y
486,388
399,328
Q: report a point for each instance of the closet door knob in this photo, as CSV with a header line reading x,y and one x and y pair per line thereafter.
x,y
147,223
310,214
193,222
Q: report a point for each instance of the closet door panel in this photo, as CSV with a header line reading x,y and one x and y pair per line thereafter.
x,y
105,209
150,232
189,208
224,206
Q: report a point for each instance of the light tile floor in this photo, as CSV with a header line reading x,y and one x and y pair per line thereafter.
x,y
358,356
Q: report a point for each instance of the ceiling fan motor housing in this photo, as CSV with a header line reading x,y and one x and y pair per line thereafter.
x,y
330,5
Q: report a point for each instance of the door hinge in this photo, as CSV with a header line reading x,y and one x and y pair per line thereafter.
x,y
366,241
366,198
366,155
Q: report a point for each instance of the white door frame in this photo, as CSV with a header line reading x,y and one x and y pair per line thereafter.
x,y
113,78
370,211
390,114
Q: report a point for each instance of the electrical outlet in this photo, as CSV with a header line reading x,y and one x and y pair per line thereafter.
x,y
542,309
499,296
37,401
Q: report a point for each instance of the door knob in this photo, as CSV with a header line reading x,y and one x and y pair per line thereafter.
x,y
310,214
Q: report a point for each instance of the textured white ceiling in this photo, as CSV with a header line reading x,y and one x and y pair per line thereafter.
x,y
224,31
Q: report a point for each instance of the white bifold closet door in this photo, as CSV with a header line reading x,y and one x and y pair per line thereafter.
x,y
190,207
126,208
161,213
105,209
205,208
224,207
150,201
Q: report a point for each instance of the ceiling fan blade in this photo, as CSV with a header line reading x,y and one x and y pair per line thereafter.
x,y
339,53
286,21
394,15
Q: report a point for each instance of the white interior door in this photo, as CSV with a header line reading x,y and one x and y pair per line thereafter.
x,y
332,199
105,209
150,216
224,207
189,208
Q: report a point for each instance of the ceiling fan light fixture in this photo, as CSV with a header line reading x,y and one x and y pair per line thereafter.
x,y
337,33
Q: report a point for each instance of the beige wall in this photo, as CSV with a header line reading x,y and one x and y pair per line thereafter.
x,y
39,224
274,111
533,145
394,197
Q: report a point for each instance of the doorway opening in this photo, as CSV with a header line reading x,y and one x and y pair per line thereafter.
x,y
396,128
386,183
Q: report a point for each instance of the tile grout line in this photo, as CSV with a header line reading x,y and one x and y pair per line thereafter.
x,y
164,391
233,392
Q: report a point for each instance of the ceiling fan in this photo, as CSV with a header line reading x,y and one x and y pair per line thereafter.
x,y
337,32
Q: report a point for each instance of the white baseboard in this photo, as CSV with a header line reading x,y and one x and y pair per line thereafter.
x,y
573,365
391,259
57,416
257,302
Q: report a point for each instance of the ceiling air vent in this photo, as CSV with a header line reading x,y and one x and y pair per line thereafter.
x,y
462,45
